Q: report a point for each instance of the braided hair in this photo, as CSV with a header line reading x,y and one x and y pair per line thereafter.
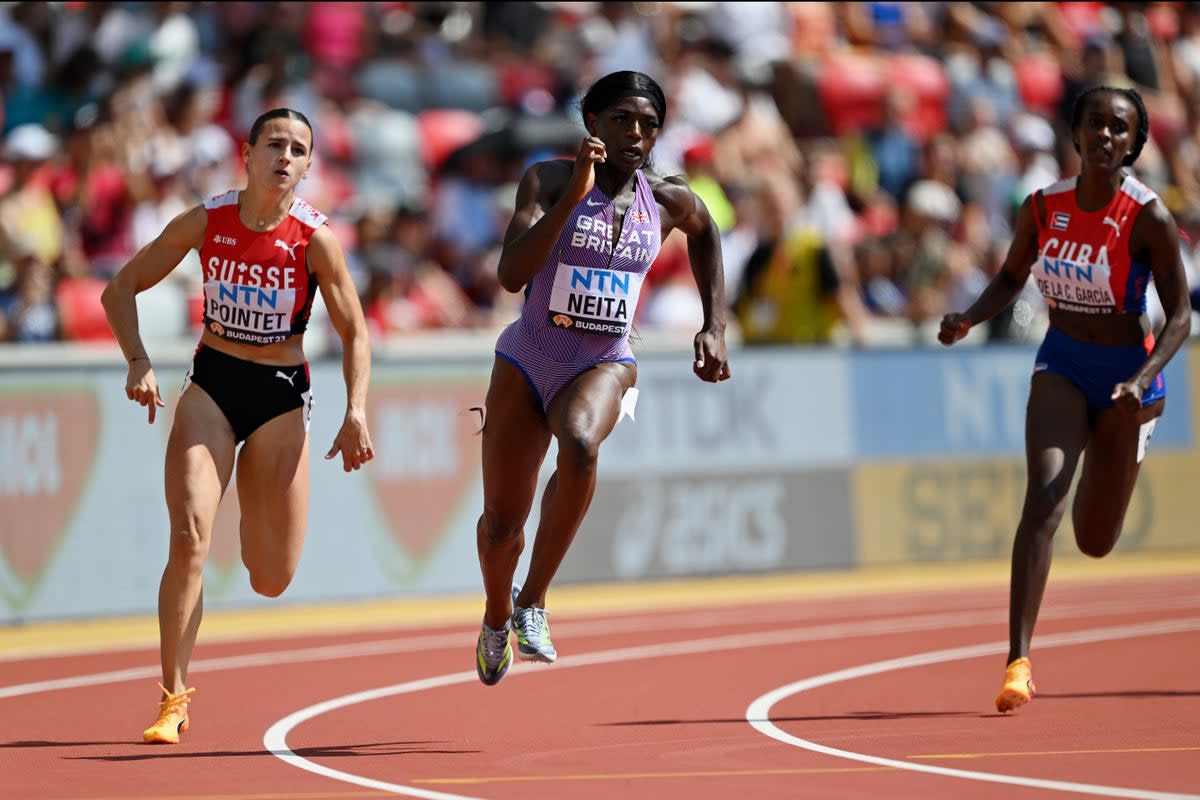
x,y
1143,126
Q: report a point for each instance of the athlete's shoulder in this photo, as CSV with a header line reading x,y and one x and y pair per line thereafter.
x,y
303,211
228,198
1140,192
672,192
552,174
1065,186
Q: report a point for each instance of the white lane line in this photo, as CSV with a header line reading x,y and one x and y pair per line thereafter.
x,y
426,642
758,714
275,738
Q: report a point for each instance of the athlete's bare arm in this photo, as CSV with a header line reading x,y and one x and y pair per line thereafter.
x,y
328,264
687,212
1006,285
546,196
147,267
1155,236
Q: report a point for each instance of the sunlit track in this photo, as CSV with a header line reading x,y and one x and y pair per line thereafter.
x,y
420,642
879,626
758,713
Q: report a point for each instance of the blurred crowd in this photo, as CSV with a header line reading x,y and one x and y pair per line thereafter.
x,y
863,161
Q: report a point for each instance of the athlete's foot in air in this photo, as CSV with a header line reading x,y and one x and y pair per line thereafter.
x,y
533,632
1018,686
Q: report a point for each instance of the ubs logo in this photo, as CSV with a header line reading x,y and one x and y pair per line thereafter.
x,y
222,239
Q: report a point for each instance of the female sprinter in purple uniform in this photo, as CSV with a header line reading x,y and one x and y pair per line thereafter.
x,y
581,240
1092,244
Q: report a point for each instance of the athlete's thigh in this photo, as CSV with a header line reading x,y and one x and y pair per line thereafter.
x,y
588,407
1056,431
1110,469
198,464
272,482
515,440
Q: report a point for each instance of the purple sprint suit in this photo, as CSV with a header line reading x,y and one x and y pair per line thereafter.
x,y
579,307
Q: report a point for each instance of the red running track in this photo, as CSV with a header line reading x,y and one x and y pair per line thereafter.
x,y
885,696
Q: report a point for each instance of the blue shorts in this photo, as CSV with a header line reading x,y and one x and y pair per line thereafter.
x,y
1095,368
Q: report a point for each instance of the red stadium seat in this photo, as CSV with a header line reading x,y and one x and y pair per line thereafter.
x,y
83,318
926,79
444,130
851,87
1040,82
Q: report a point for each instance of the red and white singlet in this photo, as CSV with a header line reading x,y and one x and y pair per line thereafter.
x,y
257,287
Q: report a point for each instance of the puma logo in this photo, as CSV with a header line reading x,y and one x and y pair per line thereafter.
x,y
1116,226
291,249
289,378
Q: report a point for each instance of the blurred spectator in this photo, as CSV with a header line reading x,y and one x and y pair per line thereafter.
x,y
405,290
28,312
27,207
796,286
923,247
827,139
895,150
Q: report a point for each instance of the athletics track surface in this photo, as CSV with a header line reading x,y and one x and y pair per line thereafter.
x,y
873,684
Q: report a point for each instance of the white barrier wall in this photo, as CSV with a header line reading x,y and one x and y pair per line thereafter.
x,y
805,459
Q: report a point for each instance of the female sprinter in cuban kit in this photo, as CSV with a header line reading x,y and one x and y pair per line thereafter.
x,y
264,253
1092,244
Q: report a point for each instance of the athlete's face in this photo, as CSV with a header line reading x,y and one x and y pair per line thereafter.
x,y
629,129
1107,130
282,154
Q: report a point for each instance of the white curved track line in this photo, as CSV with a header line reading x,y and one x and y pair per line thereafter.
x,y
275,738
759,712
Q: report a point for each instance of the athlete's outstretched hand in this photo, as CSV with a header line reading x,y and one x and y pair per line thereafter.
x,y
712,363
141,386
954,327
353,442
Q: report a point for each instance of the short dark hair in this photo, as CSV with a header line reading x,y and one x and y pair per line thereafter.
x,y
277,113
1143,127
615,85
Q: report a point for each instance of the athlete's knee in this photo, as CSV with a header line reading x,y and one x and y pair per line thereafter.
x,y
1095,549
1043,510
189,545
270,582
578,450
499,529
1096,538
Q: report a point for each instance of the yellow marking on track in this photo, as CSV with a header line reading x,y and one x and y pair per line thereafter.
x,y
629,776
935,756
84,636
339,795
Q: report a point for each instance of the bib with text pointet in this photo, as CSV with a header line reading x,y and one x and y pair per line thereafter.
x,y
589,286
257,287
1083,262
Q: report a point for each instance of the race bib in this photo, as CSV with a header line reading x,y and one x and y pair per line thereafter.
x,y
248,313
594,300
1075,277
